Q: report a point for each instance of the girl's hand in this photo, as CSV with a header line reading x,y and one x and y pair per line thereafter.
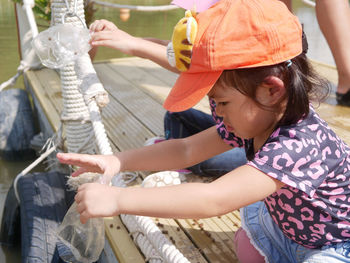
x,y
96,200
108,165
101,25
105,33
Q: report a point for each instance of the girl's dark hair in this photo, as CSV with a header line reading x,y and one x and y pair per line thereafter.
x,y
302,84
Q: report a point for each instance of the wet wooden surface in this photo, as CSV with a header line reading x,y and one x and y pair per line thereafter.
x,y
137,88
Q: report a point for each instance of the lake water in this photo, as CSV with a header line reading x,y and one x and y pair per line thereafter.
x,y
155,24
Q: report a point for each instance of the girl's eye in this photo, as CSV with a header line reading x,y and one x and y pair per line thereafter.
x,y
223,103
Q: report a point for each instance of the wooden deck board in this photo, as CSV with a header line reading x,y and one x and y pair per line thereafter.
x,y
48,108
120,241
159,81
137,89
142,106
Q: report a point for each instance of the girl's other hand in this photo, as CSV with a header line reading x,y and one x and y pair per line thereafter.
x,y
108,165
107,34
101,25
96,200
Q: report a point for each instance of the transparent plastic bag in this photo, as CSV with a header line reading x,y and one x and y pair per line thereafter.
x,y
79,242
61,44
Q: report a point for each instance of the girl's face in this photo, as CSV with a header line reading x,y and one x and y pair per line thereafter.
x,y
242,115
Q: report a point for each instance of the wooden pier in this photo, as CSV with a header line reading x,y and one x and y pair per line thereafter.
x,y
137,88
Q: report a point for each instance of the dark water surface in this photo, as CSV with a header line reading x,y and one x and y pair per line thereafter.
x,y
155,24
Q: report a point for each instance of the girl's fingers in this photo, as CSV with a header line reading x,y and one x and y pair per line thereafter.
x,y
69,158
92,27
77,197
80,171
75,159
80,208
96,26
84,217
99,27
101,43
102,35
107,25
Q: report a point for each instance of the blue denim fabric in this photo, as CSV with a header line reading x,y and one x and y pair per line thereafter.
x,y
277,248
189,122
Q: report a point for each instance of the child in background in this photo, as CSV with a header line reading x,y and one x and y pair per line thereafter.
x,y
176,124
334,20
247,57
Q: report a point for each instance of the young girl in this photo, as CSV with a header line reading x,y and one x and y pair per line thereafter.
x,y
248,57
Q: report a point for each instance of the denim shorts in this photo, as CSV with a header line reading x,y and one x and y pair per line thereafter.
x,y
189,122
269,240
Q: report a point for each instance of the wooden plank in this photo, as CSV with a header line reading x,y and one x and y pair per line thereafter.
x,y
148,111
153,86
147,83
176,235
338,118
123,128
223,238
51,82
154,69
325,70
231,220
49,110
120,241
205,240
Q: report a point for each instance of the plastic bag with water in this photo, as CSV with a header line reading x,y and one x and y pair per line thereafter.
x,y
77,242
61,44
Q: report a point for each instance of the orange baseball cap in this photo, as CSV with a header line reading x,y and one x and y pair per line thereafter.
x,y
235,34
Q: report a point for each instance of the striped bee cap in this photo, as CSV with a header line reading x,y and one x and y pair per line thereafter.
x,y
235,34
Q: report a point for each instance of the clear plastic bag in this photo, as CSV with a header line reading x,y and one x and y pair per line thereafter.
x,y
77,242
61,44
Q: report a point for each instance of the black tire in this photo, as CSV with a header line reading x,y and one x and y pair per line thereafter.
x,y
16,125
44,202
10,234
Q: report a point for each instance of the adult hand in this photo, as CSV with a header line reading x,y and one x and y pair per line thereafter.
x,y
108,165
105,33
96,200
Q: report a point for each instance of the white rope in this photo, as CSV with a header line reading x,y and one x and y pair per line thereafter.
x,y
145,225
51,145
90,85
137,7
27,6
74,107
23,67
29,60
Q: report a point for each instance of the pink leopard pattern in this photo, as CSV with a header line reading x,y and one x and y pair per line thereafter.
x,y
313,208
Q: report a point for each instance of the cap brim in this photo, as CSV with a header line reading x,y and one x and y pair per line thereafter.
x,y
189,89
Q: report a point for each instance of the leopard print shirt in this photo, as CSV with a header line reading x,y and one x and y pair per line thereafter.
x,y
313,207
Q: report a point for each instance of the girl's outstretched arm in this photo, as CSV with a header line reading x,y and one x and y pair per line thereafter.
x,y
167,155
175,153
243,186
